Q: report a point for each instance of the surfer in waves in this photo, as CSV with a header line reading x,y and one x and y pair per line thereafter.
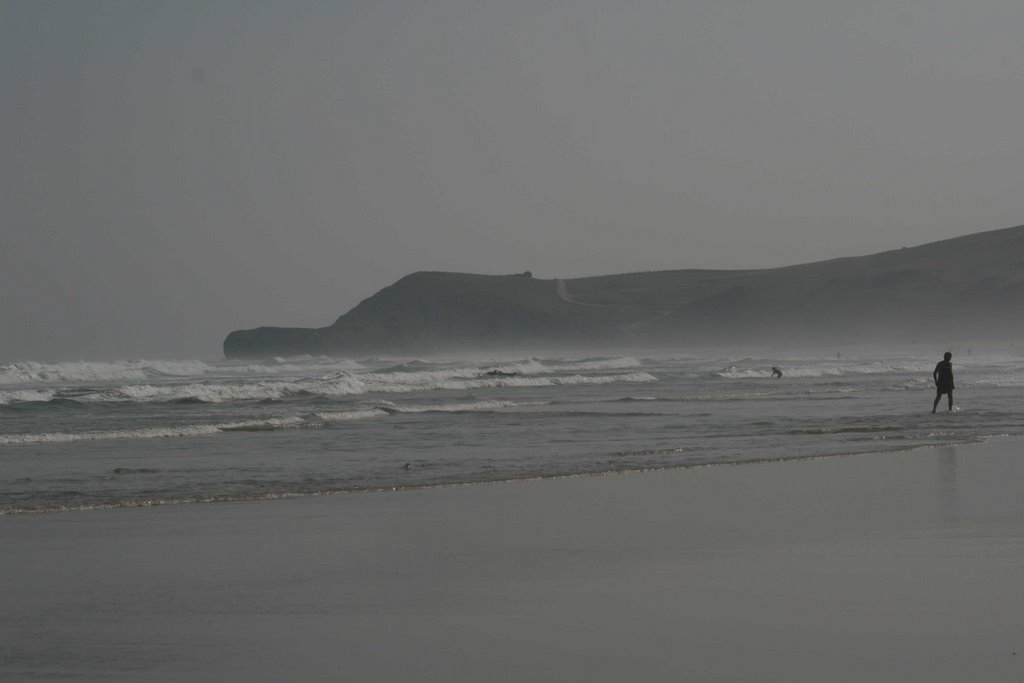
x,y
943,376
776,372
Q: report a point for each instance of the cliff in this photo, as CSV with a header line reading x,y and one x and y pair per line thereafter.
x,y
970,287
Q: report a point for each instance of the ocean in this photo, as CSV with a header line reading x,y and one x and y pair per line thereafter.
x,y
78,436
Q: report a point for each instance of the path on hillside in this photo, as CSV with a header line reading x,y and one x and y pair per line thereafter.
x,y
563,293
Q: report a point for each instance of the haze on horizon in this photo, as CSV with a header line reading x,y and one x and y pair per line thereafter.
x,y
175,171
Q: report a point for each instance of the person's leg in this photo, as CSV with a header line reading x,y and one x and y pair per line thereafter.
x,y
938,396
950,394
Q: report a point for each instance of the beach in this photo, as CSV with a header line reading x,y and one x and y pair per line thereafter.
x,y
892,566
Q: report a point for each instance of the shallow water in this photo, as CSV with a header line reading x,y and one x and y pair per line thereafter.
x,y
77,436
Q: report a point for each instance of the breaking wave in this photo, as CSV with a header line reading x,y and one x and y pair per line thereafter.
x,y
337,385
26,396
313,421
153,432
142,370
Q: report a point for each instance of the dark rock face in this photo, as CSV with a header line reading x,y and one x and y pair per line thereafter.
x,y
264,342
428,311
970,287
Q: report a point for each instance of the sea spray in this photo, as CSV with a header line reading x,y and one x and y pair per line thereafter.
x,y
211,431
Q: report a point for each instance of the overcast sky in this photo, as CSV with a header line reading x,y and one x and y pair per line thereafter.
x,y
173,171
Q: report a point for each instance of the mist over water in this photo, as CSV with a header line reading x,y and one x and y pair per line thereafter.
x,y
75,436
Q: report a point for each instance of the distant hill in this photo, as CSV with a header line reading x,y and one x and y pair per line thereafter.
x,y
970,287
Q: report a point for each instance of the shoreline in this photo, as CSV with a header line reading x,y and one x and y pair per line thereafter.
x,y
298,495
892,566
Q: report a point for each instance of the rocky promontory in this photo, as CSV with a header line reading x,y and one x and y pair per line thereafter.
x,y
970,287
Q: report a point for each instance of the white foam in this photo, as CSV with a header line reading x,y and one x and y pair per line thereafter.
x,y
65,437
630,378
534,366
21,373
25,396
529,366
458,379
140,370
485,382
164,381
475,406
1005,381
154,432
347,415
266,425
206,393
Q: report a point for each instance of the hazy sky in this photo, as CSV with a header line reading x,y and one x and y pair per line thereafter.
x,y
173,171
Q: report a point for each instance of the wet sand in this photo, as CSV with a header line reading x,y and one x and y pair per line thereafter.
x,y
888,567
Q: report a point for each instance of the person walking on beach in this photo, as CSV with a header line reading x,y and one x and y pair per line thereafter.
x,y
943,376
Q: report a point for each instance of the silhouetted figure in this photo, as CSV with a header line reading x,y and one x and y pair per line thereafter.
x,y
943,376
776,372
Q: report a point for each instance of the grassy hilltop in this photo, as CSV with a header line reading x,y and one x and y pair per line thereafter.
x,y
968,287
